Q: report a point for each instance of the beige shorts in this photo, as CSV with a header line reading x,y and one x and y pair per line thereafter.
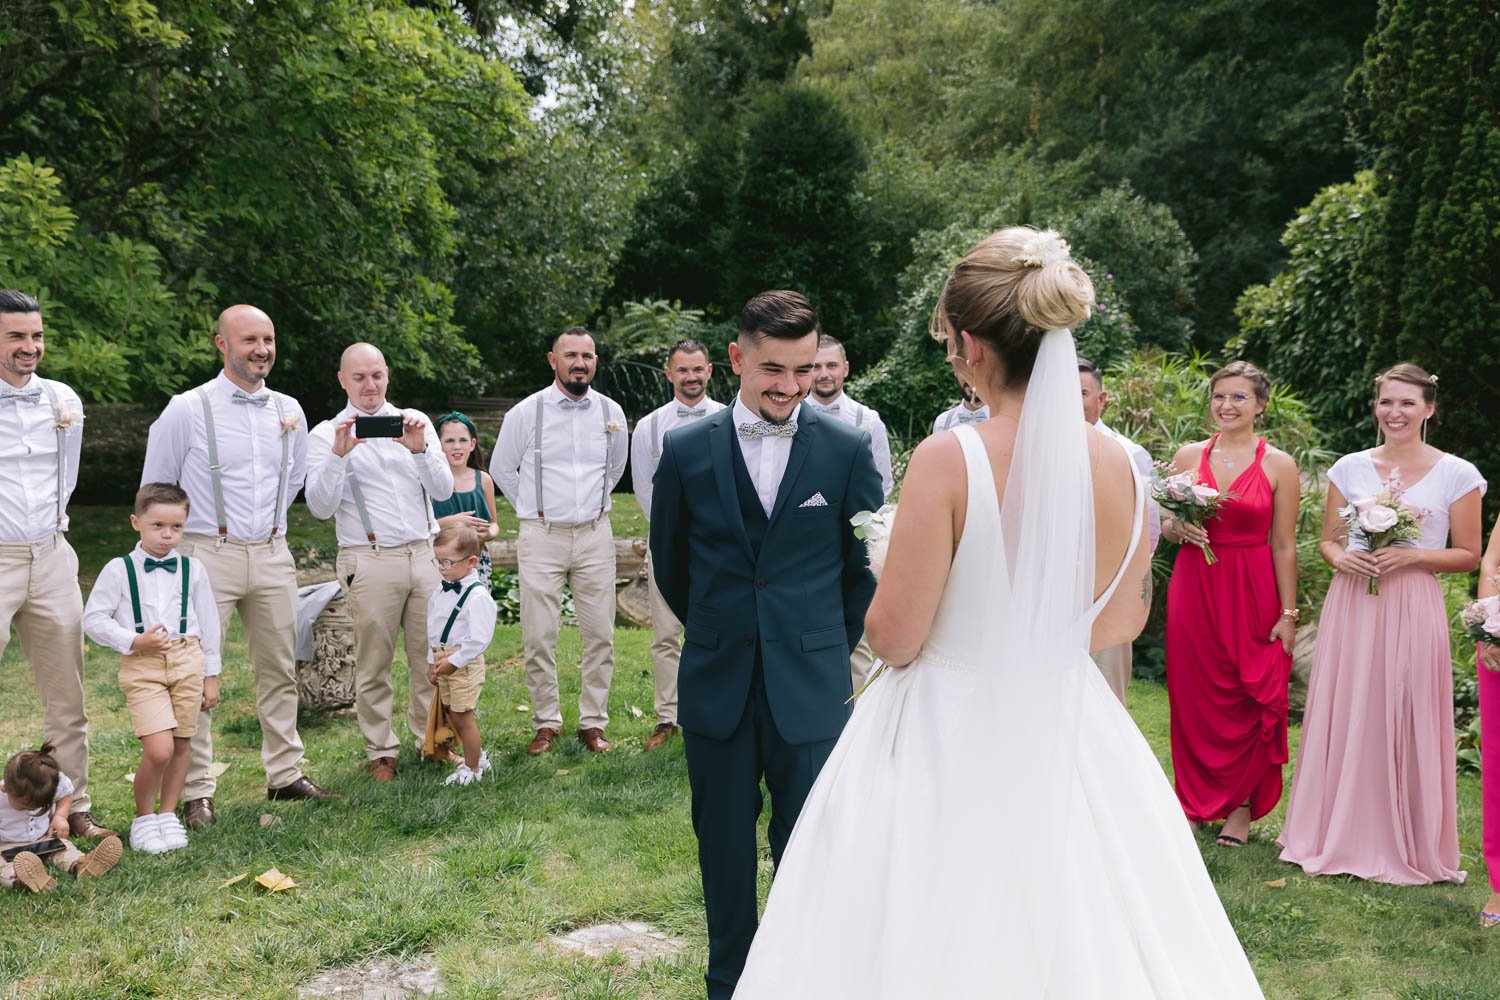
x,y
459,690
164,691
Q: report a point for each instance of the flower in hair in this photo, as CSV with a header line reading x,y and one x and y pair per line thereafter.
x,y
1042,249
1432,379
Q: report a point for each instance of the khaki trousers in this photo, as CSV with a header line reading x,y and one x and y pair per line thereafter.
x,y
861,664
1116,662
39,595
582,556
666,651
387,589
258,579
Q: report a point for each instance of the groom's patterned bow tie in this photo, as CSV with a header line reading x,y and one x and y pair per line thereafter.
x,y
32,395
764,428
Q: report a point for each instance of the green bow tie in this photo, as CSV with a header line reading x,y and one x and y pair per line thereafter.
x,y
453,585
170,565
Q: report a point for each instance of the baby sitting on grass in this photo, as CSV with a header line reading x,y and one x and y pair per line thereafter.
x,y
34,826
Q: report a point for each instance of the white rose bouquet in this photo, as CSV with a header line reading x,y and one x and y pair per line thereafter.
x,y
1188,500
1383,519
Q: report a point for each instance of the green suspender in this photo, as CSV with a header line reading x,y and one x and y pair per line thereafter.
x,y
453,617
62,443
135,594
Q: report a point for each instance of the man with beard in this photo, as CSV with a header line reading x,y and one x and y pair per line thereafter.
x,y
829,372
41,436
379,490
688,369
970,410
239,451
560,453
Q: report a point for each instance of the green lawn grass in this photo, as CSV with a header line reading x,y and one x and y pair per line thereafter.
x,y
474,879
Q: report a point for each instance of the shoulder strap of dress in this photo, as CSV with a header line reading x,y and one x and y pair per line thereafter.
x,y
1207,450
981,475
1135,540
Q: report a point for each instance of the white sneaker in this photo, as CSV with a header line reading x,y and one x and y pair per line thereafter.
x,y
173,835
484,764
461,776
145,835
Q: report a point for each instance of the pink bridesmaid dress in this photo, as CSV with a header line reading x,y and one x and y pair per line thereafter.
x,y
1375,791
1489,753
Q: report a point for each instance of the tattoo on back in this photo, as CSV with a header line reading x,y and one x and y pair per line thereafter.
x,y
1146,589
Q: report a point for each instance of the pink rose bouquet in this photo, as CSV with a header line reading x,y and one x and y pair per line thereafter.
x,y
1383,519
1188,500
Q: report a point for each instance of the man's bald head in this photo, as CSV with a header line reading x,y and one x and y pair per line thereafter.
x,y
364,376
247,339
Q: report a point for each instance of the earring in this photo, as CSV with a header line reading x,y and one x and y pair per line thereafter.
x,y
1424,430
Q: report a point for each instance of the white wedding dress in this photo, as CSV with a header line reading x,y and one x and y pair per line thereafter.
x,y
992,823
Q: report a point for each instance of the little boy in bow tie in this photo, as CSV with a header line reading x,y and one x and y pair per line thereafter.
x,y
155,607
460,625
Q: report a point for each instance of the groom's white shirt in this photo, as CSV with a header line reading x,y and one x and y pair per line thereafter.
x,y
765,457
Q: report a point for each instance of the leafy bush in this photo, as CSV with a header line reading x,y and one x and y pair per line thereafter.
x,y
505,588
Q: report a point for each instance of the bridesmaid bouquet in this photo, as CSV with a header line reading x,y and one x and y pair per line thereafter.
x,y
873,527
1188,500
1482,620
1384,519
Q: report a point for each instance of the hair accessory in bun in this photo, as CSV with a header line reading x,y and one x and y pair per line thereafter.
x,y
1045,248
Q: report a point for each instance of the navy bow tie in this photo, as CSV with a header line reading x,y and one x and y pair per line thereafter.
x,y
241,396
454,585
575,404
170,565
31,395
764,428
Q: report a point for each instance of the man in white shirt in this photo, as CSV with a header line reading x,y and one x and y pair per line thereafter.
x,y
41,436
239,451
379,490
1116,662
970,410
559,454
688,369
828,398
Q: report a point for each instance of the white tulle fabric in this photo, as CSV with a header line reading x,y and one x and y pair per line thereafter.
x,y
992,823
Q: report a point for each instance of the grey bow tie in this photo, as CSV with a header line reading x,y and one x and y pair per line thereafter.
x,y
575,404
32,395
241,396
762,428
970,417
831,408
688,411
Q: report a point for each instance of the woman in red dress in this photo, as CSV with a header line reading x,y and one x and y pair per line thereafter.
x,y
1231,625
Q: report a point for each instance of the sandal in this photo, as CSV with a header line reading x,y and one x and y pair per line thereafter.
x,y
1488,919
1225,840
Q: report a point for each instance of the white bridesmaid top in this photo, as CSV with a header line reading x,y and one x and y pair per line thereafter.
x,y
1449,480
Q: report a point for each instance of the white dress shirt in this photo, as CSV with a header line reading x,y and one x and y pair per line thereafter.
x,y
29,507
25,826
392,481
472,629
960,414
1141,459
109,619
857,414
249,440
645,443
583,456
765,457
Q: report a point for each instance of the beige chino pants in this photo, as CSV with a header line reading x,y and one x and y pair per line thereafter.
x,y
386,589
582,556
39,595
666,651
259,580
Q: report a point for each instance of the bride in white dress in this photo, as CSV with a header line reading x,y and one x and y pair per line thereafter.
x,y
992,823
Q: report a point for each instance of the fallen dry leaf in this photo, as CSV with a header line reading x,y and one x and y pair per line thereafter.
x,y
267,820
275,881
523,708
635,713
231,881
562,771
217,768
1276,883
130,777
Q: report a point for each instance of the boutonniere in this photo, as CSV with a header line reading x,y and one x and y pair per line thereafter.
x,y
66,418
289,424
614,427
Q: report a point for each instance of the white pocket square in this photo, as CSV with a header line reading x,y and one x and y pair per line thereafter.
x,y
816,500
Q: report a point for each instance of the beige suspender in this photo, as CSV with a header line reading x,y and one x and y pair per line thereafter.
x,y
214,469
536,451
62,454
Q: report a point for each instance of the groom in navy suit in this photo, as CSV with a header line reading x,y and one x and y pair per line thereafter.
x,y
753,551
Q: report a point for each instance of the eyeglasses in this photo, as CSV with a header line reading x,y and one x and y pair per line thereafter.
x,y
450,563
1233,398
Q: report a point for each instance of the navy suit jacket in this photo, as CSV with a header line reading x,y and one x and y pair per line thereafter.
x,y
800,602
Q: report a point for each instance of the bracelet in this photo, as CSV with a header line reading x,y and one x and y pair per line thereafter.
x,y
1294,614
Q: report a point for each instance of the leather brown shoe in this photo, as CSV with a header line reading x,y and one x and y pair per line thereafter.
x,y
381,769
659,736
542,741
593,738
198,813
302,788
81,824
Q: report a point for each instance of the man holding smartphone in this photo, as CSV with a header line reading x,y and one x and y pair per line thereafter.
x,y
239,451
376,469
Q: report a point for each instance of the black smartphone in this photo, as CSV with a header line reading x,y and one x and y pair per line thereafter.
x,y
378,427
49,846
